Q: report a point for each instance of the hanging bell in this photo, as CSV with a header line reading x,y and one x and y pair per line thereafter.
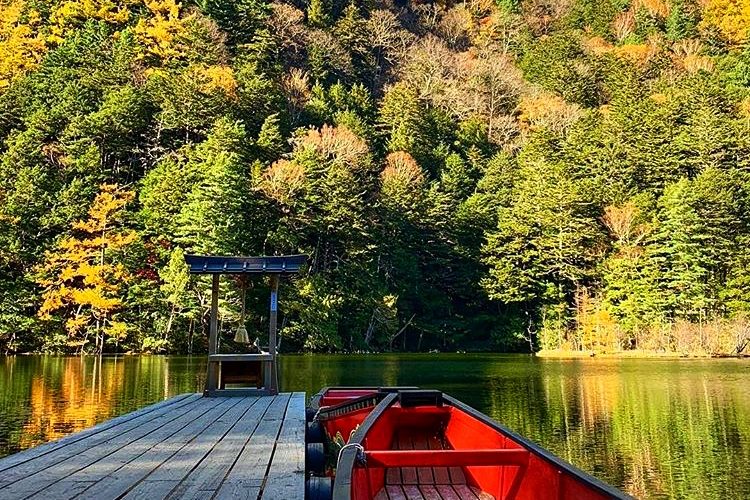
x,y
241,335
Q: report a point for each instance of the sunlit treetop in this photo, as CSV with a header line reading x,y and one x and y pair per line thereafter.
x,y
21,46
731,17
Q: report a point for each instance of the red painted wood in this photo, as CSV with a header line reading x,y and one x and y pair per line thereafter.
x,y
345,424
442,451
441,458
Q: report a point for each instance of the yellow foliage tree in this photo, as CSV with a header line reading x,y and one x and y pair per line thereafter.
x,y
215,78
731,17
70,13
21,47
160,33
82,283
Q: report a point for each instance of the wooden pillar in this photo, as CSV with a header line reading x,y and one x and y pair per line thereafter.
x,y
212,378
272,376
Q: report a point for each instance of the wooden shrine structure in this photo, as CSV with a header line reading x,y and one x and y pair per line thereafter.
x,y
261,368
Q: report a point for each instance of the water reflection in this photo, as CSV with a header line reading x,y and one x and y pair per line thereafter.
x,y
46,397
656,428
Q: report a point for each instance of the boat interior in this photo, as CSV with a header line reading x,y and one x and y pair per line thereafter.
x,y
418,453
440,452
422,445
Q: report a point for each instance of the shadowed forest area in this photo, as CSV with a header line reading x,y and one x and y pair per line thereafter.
x,y
496,175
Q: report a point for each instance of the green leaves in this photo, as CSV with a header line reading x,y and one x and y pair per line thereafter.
x,y
553,173
546,240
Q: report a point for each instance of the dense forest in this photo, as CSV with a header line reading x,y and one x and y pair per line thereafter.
x,y
507,175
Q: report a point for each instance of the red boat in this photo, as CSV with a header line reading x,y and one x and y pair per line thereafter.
x,y
406,443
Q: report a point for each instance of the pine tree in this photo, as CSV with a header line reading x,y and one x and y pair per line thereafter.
x,y
270,142
456,179
319,13
631,280
214,218
174,288
681,22
240,19
542,247
682,253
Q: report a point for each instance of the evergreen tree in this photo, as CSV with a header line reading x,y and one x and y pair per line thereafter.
x,y
319,13
214,218
681,22
543,245
240,19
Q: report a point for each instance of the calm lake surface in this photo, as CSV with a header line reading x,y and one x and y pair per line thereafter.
x,y
655,428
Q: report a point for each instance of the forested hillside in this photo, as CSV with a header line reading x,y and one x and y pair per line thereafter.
x,y
510,175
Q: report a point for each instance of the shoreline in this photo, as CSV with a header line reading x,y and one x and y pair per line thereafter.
x,y
634,354
545,353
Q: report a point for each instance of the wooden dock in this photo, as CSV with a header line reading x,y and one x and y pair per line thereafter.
x,y
188,446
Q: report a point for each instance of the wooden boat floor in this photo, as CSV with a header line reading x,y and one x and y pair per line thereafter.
x,y
426,483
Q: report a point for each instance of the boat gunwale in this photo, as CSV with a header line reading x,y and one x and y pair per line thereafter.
x,y
539,450
348,455
315,399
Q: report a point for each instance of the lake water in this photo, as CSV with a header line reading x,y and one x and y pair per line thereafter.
x,y
655,428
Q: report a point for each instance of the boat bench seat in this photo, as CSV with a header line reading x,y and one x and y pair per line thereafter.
x,y
434,482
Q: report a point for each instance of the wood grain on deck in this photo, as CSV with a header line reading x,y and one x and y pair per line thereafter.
x,y
185,447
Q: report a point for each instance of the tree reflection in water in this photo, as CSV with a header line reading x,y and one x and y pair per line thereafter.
x,y
656,428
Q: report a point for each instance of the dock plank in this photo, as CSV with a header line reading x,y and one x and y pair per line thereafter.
x,y
247,474
187,447
208,475
30,477
160,482
119,481
90,474
287,477
49,447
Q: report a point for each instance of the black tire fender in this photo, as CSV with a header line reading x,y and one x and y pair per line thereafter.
x,y
319,488
315,459
314,433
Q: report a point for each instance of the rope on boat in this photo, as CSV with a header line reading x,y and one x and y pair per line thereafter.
x,y
360,452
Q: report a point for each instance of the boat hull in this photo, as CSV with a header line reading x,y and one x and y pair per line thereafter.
x,y
423,444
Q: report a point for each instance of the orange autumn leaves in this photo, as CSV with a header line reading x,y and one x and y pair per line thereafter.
x,y
81,278
285,179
